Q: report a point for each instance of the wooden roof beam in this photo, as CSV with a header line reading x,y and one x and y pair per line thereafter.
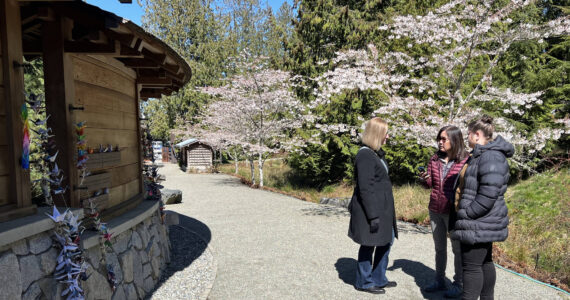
x,y
75,13
158,58
139,63
124,38
32,47
154,81
179,77
80,32
160,73
86,47
151,93
31,27
129,52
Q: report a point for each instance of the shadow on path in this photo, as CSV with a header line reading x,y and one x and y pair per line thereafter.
x,y
346,268
230,181
422,274
189,240
325,210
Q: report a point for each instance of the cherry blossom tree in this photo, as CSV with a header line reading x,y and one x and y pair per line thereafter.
x,y
256,109
451,81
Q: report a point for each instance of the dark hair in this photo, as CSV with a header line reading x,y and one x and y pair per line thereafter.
x,y
485,124
457,151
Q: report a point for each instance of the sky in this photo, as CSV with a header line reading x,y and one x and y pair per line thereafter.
x,y
134,12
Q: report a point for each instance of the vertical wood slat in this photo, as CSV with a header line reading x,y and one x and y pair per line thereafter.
x,y
59,94
139,136
4,186
13,84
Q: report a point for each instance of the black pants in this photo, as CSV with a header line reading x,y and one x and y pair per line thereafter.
x,y
478,271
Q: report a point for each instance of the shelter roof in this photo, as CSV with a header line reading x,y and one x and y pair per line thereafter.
x,y
191,141
186,142
90,30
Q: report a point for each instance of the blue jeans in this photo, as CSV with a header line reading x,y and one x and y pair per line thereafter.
x,y
369,273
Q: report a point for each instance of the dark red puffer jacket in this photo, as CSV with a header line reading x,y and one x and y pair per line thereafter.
x,y
442,189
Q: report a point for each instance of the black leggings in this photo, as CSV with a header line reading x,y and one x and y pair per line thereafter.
x,y
478,271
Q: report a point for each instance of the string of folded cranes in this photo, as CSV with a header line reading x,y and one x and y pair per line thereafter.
x,y
71,266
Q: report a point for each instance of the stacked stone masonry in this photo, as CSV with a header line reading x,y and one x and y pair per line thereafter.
x,y
138,257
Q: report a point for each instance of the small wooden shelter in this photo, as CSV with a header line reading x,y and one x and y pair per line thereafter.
x,y
97,68
195,155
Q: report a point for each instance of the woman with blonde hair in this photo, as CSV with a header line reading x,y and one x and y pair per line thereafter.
x,y
372,214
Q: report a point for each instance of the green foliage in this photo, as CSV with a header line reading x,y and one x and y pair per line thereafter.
x,y
323,27
531,66
405,158
34,84
198,33
208,34
326,26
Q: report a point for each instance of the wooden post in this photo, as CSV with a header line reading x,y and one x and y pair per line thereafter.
x,y
60,94
138,88
20,202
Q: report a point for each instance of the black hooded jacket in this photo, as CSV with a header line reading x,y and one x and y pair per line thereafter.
x,y
482,216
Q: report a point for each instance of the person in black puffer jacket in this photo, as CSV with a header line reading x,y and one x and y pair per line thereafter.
x,y
482,215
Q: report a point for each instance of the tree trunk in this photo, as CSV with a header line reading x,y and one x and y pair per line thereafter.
x,y
252,168
236,160
260,165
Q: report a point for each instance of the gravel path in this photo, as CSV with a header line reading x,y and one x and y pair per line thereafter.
x,y
191,271
270,246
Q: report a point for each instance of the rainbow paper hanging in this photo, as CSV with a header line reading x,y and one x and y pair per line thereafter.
x,y
25,160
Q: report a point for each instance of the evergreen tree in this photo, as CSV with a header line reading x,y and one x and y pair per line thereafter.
x,y
196,29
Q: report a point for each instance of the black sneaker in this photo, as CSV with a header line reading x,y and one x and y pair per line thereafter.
x,y
390,284
372,290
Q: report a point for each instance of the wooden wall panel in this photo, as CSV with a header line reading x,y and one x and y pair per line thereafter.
x,y
17,186
124,192
3,132
4,185
107,95
109,120
123,138
2,97
124,174
100,99
4,166
98,75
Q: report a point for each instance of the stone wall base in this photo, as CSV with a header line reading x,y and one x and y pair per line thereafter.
x,y
140,252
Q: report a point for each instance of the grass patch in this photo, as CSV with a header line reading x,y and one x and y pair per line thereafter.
x,y
539,210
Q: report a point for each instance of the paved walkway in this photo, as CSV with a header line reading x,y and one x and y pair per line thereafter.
x,y
270,246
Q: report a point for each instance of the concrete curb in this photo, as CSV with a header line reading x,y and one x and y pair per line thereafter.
x,y
206,293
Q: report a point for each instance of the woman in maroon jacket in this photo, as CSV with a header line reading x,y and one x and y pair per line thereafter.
x,y
442,172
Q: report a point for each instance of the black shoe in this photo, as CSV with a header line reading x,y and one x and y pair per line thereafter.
x,y
390,284
372,290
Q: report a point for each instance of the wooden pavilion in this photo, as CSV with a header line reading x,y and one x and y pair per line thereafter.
x,y
97,68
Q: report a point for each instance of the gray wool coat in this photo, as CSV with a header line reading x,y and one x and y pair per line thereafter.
x,y
482,215
372,198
